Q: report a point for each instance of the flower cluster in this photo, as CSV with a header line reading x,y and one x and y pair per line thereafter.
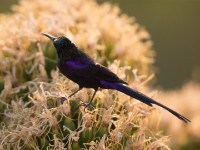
x,y
31,87
186,101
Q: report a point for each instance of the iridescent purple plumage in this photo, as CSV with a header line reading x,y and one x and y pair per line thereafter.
x,y
80,68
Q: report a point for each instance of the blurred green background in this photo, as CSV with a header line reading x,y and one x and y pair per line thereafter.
x,y
174,26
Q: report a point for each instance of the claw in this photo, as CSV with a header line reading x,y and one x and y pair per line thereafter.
x,y
63,99
86,105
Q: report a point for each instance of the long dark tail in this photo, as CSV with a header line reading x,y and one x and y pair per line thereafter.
x,y
141,97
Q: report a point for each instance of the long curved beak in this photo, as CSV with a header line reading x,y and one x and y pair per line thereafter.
x,y
49,36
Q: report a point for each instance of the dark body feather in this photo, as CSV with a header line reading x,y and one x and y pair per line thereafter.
x,y
80,68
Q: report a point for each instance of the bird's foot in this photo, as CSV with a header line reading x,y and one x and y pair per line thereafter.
x,y
63,99
85,105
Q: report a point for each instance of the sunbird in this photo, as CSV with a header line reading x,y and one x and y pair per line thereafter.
x,y
83,70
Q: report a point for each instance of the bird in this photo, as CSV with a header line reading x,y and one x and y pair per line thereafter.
x,y
77,66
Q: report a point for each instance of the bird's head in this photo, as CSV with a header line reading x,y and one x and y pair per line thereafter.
x,y
61,43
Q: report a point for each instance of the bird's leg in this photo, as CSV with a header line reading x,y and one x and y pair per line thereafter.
x,y
89,104
74,92
63,98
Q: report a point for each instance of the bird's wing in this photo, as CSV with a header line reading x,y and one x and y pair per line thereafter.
x,y
103,73
94,70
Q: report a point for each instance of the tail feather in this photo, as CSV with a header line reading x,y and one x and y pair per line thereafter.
x,y
141,97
